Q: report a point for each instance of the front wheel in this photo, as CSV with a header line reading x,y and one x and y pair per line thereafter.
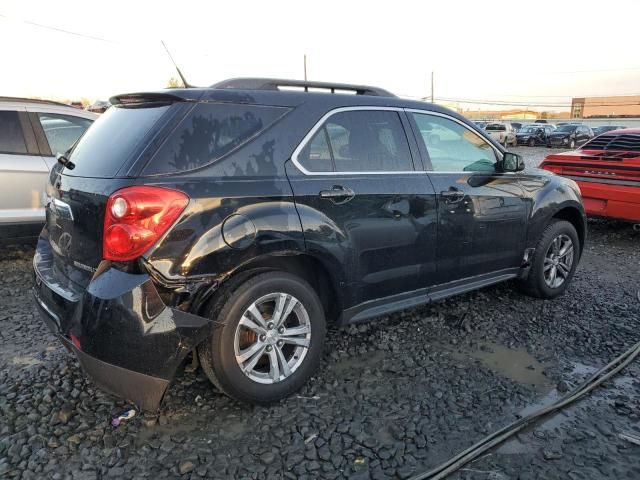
x,y
268,341
572,143
532,142
554,262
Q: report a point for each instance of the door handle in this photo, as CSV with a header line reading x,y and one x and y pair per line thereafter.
x,y
338,194
453,195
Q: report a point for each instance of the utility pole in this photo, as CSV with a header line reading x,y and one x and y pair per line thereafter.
x,y
305,67
432,87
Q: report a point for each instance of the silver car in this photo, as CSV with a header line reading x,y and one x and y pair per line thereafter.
x,y
502,133
32,132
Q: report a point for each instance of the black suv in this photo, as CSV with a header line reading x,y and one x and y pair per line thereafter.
x,y
570,136
236,221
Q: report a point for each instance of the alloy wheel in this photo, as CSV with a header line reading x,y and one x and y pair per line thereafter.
x,y
272,338
558,261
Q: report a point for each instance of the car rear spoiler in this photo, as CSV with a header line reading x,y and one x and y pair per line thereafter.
x,y
142,98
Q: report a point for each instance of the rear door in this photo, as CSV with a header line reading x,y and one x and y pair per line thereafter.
x,y
365,202
481,211
22,169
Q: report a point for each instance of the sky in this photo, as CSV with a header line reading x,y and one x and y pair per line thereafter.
x,y
530,53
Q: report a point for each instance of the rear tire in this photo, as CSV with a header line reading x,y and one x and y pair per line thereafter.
x,y
554,261
257,355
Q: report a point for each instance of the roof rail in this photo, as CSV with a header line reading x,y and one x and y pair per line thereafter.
x,y
275,84
32,100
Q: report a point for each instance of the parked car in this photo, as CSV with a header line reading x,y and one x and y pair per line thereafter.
x,y
540,121
502,133
607,169
516,126
32,132
606,128
570,135
532,135
481,124
535,134
239,220
99,106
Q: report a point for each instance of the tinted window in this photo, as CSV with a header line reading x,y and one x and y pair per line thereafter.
x,y
209,132
11,137
359,141
453,147
62,131
495,127
109,143
566,128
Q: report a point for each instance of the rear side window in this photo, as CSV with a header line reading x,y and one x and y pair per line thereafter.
x,y
112,139
209,132
11,136
358,141
62,131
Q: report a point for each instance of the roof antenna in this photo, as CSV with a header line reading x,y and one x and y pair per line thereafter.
x,y
184,80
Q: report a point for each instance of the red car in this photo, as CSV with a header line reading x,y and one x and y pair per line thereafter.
x,y
607,169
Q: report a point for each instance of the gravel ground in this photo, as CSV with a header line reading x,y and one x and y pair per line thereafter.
x,y
392,398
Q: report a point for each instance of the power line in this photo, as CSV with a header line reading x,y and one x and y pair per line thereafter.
x,y
60,30
531,104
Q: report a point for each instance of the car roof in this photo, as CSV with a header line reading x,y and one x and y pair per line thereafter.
x,y
31,101
45,106
227,91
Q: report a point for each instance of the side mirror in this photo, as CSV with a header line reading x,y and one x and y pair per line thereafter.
x,y
512,162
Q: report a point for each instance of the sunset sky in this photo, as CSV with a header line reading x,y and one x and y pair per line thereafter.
x,y
538,52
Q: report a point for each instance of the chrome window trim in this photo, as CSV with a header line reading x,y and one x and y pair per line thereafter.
x,y
307,138
499,155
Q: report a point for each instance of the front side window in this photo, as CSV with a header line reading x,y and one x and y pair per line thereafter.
x,y
454,148
62,131
359,141
11,137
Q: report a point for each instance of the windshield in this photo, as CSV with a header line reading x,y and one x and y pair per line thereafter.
x,y
566,128
112,139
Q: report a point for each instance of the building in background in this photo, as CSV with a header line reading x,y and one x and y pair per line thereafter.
x,y
525,114
602,107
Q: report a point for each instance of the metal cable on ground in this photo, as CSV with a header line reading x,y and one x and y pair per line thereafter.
x,y
453,464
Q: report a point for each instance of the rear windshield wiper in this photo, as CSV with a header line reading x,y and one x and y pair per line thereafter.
x,y
65,162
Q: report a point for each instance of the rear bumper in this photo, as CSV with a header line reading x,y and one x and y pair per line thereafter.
x,y
125,338
619,202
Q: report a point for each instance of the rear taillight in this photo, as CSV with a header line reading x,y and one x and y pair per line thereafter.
x,y
137,217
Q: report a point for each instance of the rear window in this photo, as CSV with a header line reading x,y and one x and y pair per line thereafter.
x,y
62,131
11,138
112,139
209,132
495,127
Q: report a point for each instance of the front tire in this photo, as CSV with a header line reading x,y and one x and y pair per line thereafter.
x,y
572,143
532,142
554,262
268,341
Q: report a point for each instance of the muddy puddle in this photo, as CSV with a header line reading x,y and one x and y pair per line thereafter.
x,y
514,363
579,373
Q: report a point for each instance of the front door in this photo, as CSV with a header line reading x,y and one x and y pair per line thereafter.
x,y
481,210
363,203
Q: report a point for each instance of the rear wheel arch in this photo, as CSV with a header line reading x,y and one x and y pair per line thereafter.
x,y
304,266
